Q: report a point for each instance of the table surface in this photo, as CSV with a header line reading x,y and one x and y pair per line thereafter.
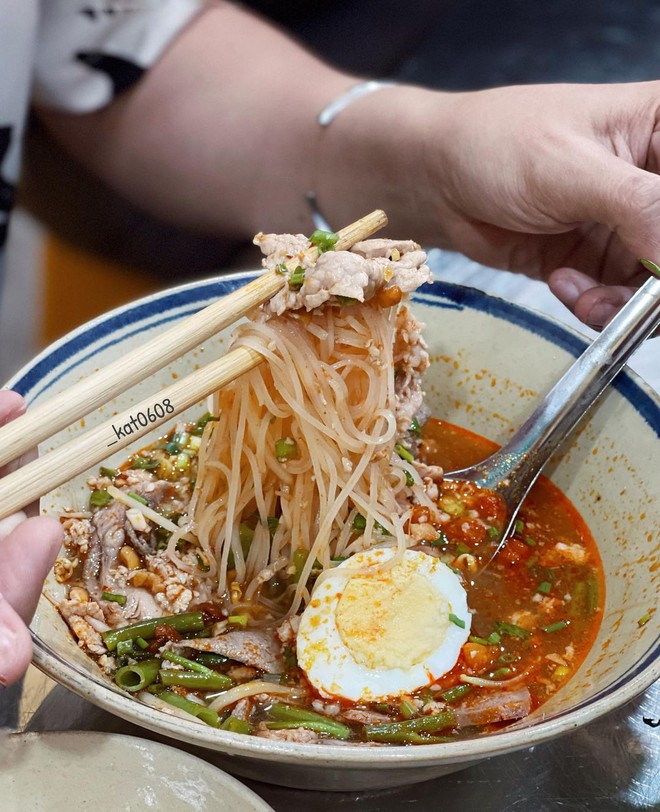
x,y
610,765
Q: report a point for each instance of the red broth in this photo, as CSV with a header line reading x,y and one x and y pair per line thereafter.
x,y
546,585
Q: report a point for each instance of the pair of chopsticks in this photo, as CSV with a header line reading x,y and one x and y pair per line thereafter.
x,y
37,478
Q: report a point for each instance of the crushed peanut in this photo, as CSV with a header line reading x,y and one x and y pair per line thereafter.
x,y
129,558
77,593
64,568
149,580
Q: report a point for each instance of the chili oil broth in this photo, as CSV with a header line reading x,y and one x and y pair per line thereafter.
x,y
527,562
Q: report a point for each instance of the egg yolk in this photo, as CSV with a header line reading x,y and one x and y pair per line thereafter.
x,y
391,622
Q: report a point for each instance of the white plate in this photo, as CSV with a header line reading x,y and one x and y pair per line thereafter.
x,y
106,772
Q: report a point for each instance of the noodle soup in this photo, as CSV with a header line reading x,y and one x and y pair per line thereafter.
x,y
534,613
293,565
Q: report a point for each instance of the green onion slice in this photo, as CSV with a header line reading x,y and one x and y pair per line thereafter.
x,y
296,278
144,463
644,619
441,541
124,648
99,498
415,428
286,449
407,709
456,620
555,627
324,240
512,630
299,559
403,452
359,522
114,597
273,523
137,497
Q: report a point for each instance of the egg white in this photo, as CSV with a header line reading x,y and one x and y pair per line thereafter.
x,y
331,660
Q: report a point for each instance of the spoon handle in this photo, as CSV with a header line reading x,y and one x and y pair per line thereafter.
x,y
522,458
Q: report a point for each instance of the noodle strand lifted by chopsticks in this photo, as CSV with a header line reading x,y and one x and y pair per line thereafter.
x,y
326,389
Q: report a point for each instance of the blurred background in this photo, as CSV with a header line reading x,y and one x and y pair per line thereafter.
x,y
76,249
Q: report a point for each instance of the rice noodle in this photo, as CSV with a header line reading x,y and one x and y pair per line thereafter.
x,y
155,702
246,689
327,385
492,683
150,513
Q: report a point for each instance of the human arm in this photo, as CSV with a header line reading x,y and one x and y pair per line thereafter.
x,y
221,135
27,550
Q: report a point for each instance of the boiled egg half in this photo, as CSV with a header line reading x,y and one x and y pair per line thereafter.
x,y
380,633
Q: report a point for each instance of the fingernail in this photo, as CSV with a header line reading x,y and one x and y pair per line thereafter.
x,y
6,647
11,522
600,314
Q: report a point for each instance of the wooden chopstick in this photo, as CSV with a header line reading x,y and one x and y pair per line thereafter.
x,y
37,478
61,410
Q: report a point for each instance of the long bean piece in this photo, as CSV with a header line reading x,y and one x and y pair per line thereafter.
x,y
333,729
188,679
287,717
207,715
235,725
191,665
391,731
410,737
136,677
458,691
146,629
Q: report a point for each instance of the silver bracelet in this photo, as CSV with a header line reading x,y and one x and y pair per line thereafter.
x,y
332,110
325,118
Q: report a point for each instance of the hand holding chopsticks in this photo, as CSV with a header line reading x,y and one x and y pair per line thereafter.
x,y
37,478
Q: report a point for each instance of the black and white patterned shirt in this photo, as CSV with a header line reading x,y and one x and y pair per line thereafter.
x,y
73,55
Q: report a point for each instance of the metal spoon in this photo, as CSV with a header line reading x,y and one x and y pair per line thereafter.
x,y
513,469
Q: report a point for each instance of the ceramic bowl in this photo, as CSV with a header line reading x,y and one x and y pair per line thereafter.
x,y
491,361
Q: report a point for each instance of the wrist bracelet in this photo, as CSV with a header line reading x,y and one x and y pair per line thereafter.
x,y
332,110
325,118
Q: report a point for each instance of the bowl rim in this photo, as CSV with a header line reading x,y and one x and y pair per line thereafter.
x,y
174,301
346,755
